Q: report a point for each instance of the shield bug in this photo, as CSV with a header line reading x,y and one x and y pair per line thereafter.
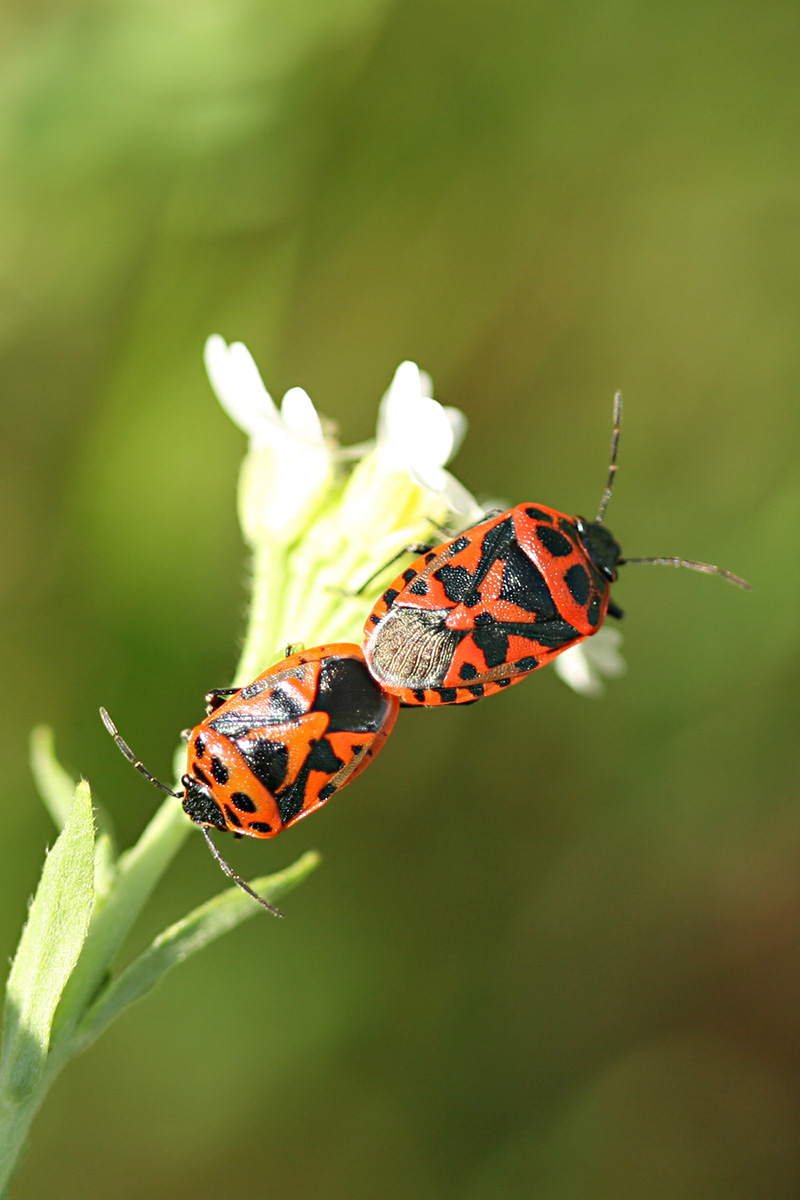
x,y
269,754
480,612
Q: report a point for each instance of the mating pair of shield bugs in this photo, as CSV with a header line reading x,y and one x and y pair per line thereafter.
x,y
468,618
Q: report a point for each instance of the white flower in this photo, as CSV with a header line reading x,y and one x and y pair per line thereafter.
x,y
418,434
399,490
289,468
583,666
317,537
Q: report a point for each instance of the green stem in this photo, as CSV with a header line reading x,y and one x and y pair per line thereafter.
x,y
15,1121
296,593
269,569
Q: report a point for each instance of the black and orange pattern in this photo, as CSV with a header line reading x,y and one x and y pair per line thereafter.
x,y
482,611
271,753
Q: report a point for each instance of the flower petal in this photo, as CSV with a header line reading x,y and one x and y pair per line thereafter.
x,y
300,417
425,382
414,429
582,667
458,425
289,466
458,499
431,440
396,413
240,389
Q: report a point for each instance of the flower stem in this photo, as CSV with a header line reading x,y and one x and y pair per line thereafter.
x,y
15,1121
269,568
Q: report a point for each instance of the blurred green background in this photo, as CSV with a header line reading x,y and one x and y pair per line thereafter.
x,y
554,947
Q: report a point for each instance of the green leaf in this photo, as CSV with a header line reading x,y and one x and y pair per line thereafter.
x,y
48,950
54,785
137,871
186,937
105,868
57,790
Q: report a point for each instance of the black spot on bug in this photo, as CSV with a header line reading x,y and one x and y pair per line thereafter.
x,y
527,664
292,799
375,620
491,636
553,633
232,724
568,528
430,556
419,696
291,802
524,584
350,696
456,581
260,826
492,641
462,586
283,705
268,760
253,689
232,817
467,671
409,574
476,690
322,758
494,542
326,792
448,695
419,587
558,545
199,746
243,802
390,596
219,770
536,514
201,775
280,706
502,682
593,614
579,584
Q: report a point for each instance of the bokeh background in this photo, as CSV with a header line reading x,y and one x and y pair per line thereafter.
x,y
554,947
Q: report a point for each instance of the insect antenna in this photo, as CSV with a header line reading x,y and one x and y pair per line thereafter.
x,y
131,757
237,879
612,462
707,568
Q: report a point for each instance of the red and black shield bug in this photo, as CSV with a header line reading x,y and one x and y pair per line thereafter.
x,y
268,754
482,611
